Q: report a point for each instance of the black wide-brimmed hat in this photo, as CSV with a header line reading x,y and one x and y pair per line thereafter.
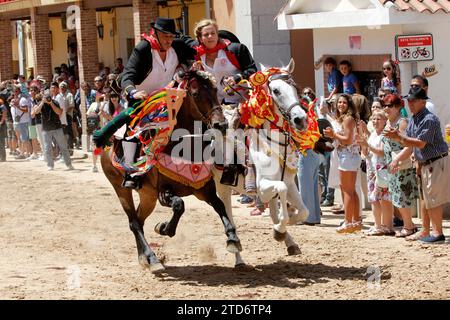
x,y
416,93
225,34
165,25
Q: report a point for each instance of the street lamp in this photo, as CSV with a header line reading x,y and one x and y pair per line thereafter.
x,y
101,30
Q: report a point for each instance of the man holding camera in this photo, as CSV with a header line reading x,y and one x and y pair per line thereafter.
x,y
52,128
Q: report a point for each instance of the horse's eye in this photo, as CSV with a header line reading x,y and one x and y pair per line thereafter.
x,y
276,92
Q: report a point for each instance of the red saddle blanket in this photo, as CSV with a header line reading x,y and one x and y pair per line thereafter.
x,y
195,175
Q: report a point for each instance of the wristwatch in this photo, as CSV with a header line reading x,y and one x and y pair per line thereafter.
x,y
131,94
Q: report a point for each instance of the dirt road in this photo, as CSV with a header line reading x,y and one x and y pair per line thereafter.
x,y
65,236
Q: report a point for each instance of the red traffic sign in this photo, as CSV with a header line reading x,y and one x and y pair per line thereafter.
x,y
412,48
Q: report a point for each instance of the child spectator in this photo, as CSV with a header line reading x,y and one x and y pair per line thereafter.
x,y
349,80
391,79
334,77
377,104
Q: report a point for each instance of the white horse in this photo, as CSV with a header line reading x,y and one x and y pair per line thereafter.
x,y
275,162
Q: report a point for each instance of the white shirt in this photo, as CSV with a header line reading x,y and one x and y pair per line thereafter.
x,y
25,116
375,142
430,106
222,68
67,104
162,72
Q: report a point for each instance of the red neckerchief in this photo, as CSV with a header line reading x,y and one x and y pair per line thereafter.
x,y
201,49
153,42
222,45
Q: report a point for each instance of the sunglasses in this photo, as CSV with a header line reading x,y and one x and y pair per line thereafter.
x,y
389,68
307,92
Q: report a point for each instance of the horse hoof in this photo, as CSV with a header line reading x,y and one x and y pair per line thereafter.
x,y
159,228
157,267
143,262
234,247
278,235
294,250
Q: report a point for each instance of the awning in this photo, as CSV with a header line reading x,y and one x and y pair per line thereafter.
x,y
307,14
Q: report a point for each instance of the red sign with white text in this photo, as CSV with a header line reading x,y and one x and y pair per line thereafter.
x,y
414,48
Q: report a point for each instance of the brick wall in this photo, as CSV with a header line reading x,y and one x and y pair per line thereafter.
x,y
41,45
87,53
87,46
6,71
143,15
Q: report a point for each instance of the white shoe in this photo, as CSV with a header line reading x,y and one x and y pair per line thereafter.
x,y
50,169
70,168
61,160
94,169
42,158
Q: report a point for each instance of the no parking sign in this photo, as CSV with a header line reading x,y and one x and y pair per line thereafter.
x,y
413,48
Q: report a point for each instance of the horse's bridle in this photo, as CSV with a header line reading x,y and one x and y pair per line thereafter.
x,y
205,117
288,79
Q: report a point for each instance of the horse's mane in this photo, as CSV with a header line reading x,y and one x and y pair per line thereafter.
x,y
290,80
200,75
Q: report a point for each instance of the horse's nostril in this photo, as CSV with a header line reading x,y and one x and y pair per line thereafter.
x,y
298,121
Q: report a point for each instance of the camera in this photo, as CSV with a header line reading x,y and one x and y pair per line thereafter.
x,y
48,98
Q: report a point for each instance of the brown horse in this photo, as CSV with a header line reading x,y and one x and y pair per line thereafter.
x,y
201,105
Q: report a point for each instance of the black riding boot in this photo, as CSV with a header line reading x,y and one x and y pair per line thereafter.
x,y
230,175
131,182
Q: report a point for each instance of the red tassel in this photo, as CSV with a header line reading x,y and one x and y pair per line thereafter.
x,y
98,151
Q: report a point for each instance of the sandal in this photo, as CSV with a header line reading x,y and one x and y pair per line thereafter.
x,y
405,232
417,236
346,228
387,231
374,231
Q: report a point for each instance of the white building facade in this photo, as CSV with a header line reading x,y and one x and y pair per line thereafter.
x,y
364,31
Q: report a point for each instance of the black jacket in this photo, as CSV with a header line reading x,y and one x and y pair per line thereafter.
x,y
246,63
245,59
140,63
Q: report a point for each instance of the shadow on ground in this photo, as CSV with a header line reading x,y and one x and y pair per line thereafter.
x,y
284,274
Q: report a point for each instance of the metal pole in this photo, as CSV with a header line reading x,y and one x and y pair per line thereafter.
x,y
185,15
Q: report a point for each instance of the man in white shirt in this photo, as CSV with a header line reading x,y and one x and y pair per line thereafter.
x,y
20,111
67,104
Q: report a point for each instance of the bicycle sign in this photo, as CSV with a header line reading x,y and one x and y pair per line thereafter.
x,y
413,48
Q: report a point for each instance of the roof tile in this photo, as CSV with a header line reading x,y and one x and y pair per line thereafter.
x,y
431,6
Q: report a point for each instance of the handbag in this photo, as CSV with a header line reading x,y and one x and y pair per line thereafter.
x,y
381,178
17,118
93,123
405,164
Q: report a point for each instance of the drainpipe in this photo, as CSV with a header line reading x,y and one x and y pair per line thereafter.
x,y
208,9
185,15
21,42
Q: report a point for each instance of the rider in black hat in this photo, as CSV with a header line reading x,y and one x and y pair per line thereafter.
x,y
150,67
